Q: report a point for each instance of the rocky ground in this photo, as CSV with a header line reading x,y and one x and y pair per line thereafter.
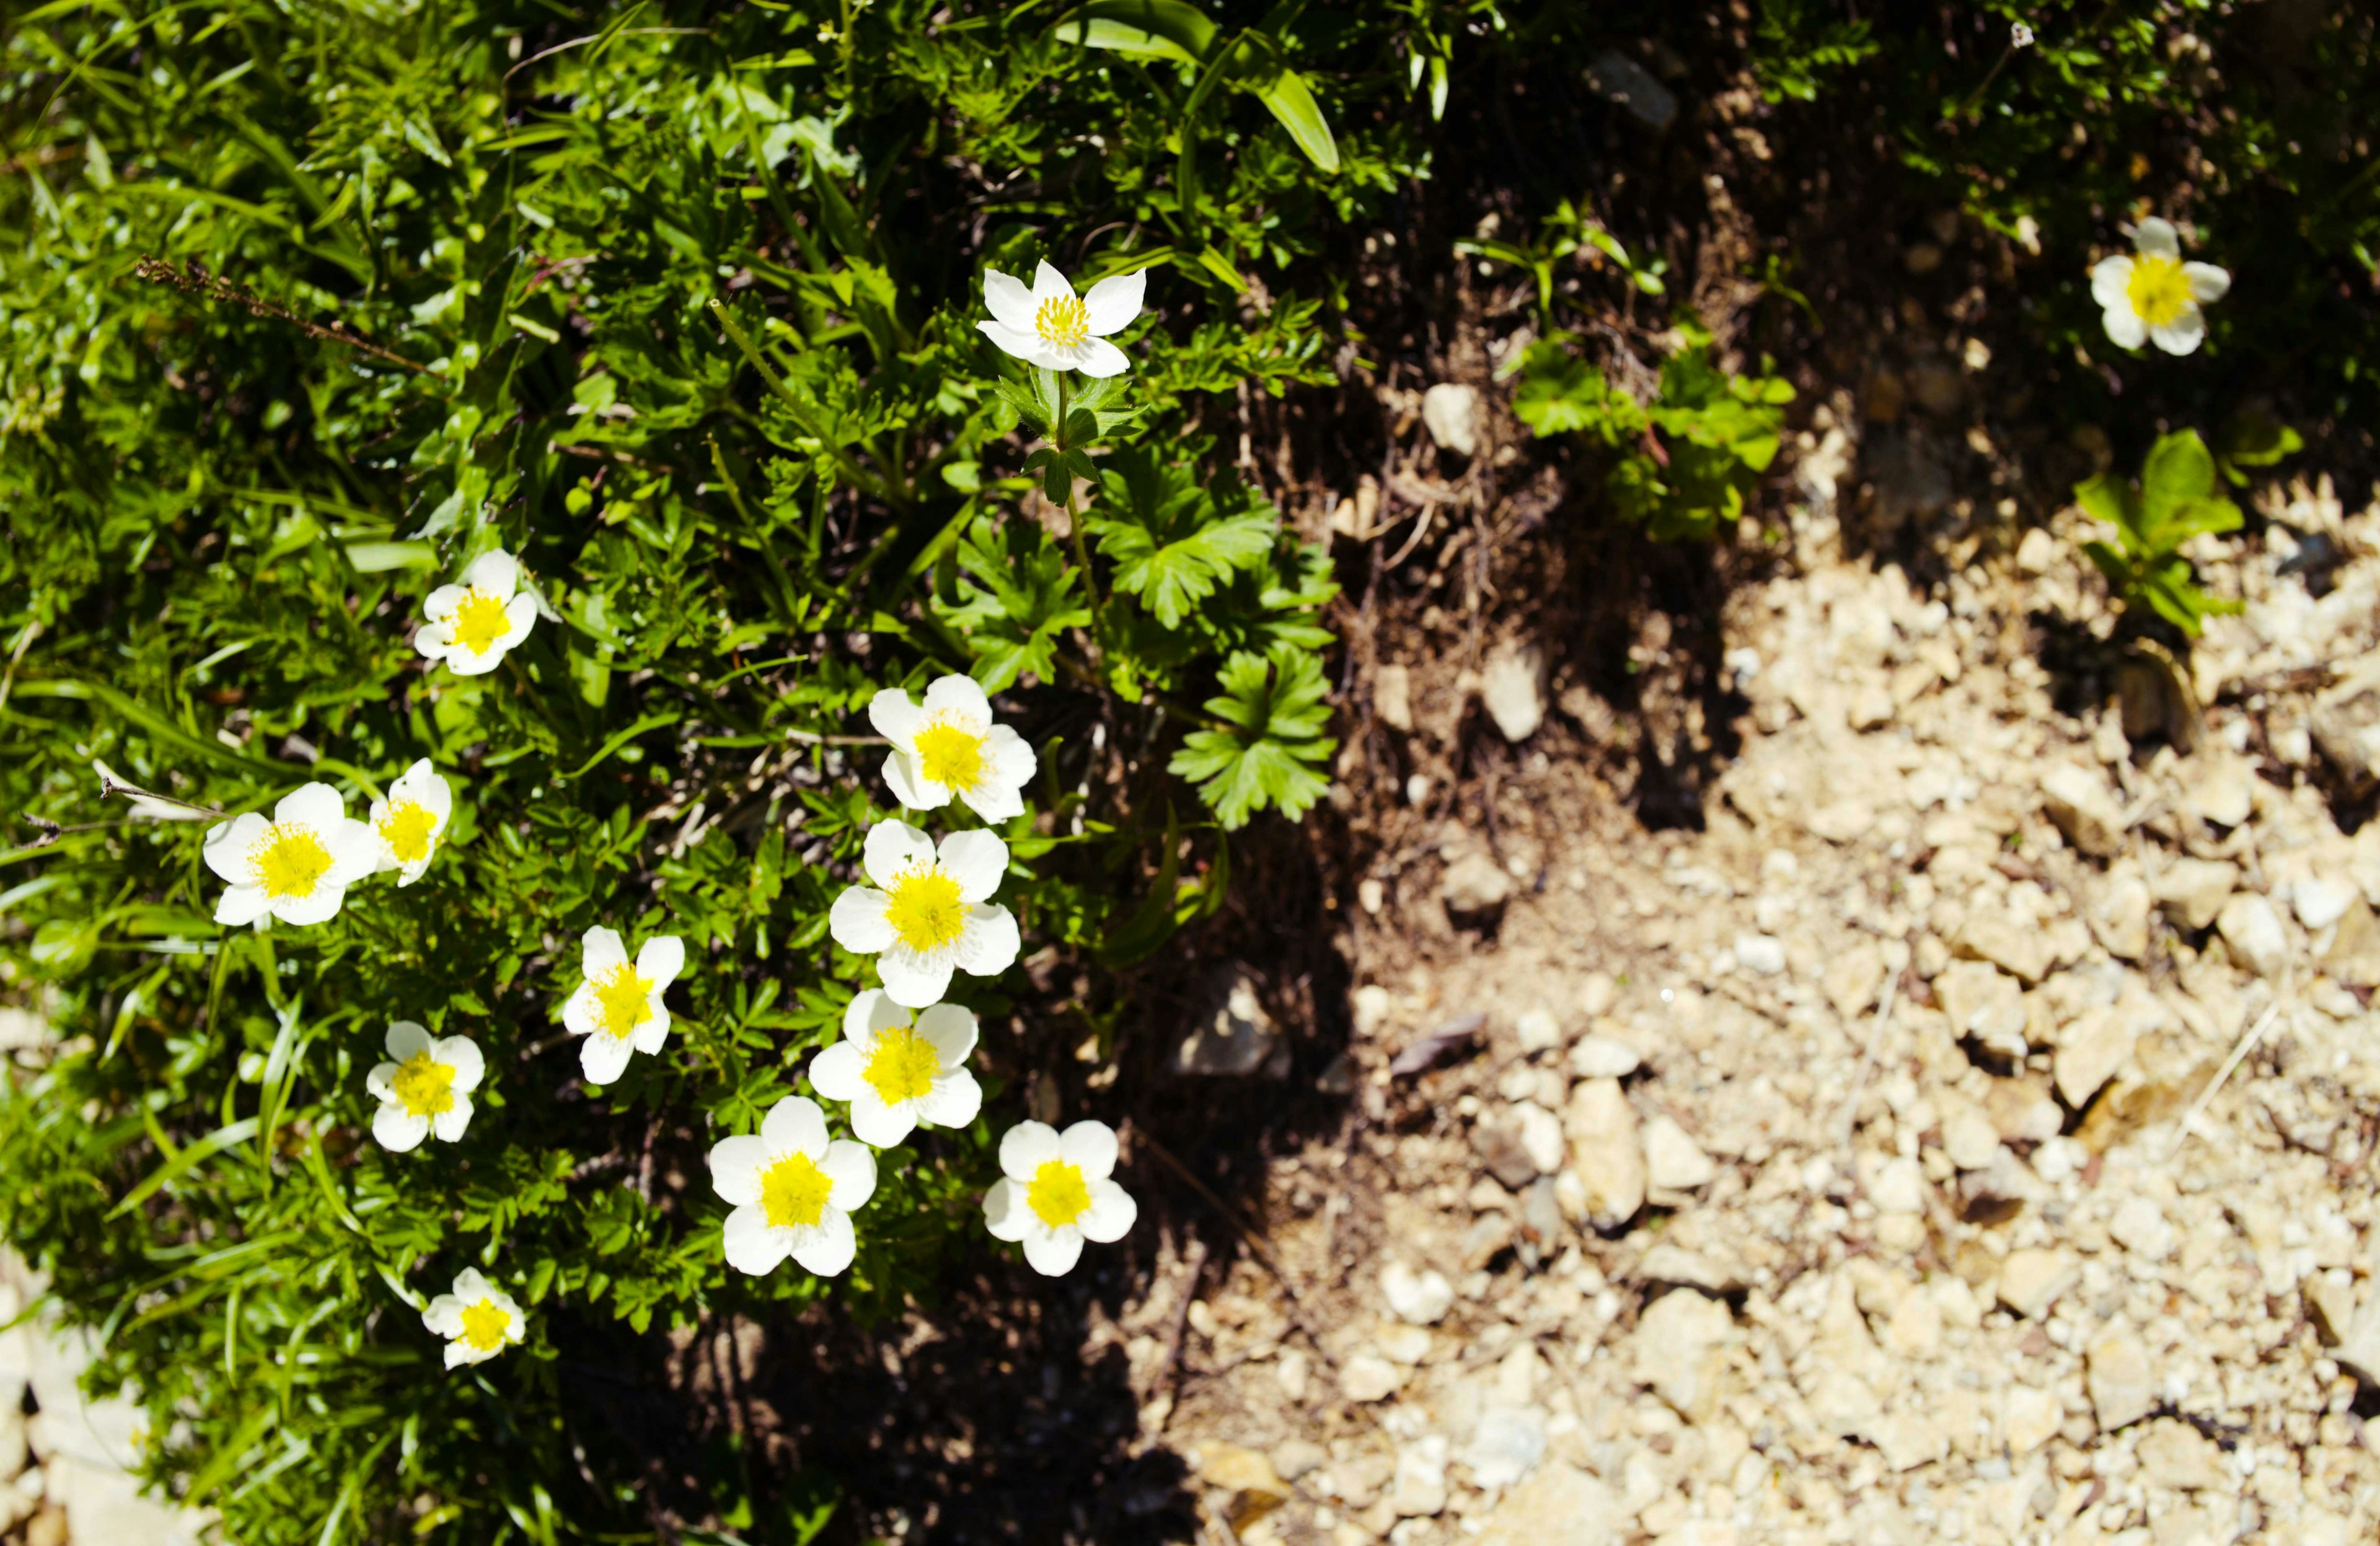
x,y
1964,1135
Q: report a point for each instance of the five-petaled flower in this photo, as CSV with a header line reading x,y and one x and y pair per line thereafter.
x,y
477,1319
411,820
472,624
1054,1193
1049,326
2019,36
927,912
618,1006
298,866
794,1192
949,745
425,1088
896,1073
2152,295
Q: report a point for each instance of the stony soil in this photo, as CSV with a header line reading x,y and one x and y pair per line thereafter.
x,y
1964,1135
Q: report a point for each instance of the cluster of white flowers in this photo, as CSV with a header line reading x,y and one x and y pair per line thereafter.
x,y
925,911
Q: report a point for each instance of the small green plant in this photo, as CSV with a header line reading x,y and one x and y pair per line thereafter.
x,y
1689,458
2174,501
1564,233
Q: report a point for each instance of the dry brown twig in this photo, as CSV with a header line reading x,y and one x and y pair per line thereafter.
x,y
194,280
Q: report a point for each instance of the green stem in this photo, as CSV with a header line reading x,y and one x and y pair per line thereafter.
x,y
1057,438
860,477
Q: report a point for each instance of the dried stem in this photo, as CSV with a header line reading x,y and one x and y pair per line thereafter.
x,y
192,279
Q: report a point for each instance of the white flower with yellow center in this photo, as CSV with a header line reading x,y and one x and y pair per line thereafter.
x,y
296,867
618,1006
1054,1193
2152,295
425,1088
794,1192
948,745
896,1073
411,820
472,624
927,912
477,1320
1049,326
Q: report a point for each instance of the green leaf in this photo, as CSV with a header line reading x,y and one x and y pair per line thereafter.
x,y
1273,752
1147,29
1288,99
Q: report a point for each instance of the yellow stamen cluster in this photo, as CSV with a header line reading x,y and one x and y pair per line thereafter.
x,y
425,1085
1059,1195
290,860
406,829
903,1066
480,621
951,756
793,1193
925,909
621,1000
483,1325
2159,289
1065,322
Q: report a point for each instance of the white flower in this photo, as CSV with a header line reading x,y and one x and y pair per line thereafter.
x,y
949,745
477,1319
897,1074
411,820
794,1192
1054,1193
618,1007
298,866
2153,295
930,914
427,1088
2019,36
1050,327
471,626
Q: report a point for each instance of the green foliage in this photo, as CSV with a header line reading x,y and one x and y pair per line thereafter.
x,y
1564,233
1687,459
2174,501
677,306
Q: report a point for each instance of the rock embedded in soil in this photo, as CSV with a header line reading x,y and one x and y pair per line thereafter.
x,y
1673,1161
1367,1377
1597,1057
2119,915
1606,1153
1760,954
1475,885
2253,929
1417,1297
1232,1035
2192,891
2078,801
1451,411
2322,901
2091,1047
1392,696
2031,1280
2122,1382
1513,690
1418,1490
1621,80
1680,1350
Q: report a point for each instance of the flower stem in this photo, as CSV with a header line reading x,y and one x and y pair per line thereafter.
x,y
1074,525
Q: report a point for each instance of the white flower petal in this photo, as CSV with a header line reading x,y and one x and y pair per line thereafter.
x,y
2183,334
319,907
651,1032
449,1124
354,852
464,662
471,1287
1115,301
893,849
662,958
871,1014
852,1169
380,1083
1111,1215
1005,1212
443,1316
877,1123
913,979
1053,1253
836,1074
601,949
858,921
950,1030
975,860
895,718
397,1129
826,1248
994,801
910,786
2156,238
954,1102
2111,281
439,606
317,805
1096,356
795,1125
2207,282
959,699
752,1246
1026,1148
240,905
603,1059
520,616
226,845
2125,326
1025,346
1005,296
990,944
737,1165
1049,285
406,1039
462,1055
579,1012
459,1353
1012,762
1091,1147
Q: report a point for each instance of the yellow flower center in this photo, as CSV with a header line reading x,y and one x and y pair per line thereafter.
x,y
620,1000
424,1085
926,909
1059,1195
289,860
484,1324
903,1066
793,1193
951,756
1064,322
2159,289
480,621
406,828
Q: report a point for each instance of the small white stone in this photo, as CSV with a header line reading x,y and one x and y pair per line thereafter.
x,y
1513,689
1673,1161
2254,930
1369,1377
1603,1057
1537,1031
2322,901
1420,1299
2141,1226
1899,1187
1450,411
1420,1490
1506,1445
1597,994
1761,954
